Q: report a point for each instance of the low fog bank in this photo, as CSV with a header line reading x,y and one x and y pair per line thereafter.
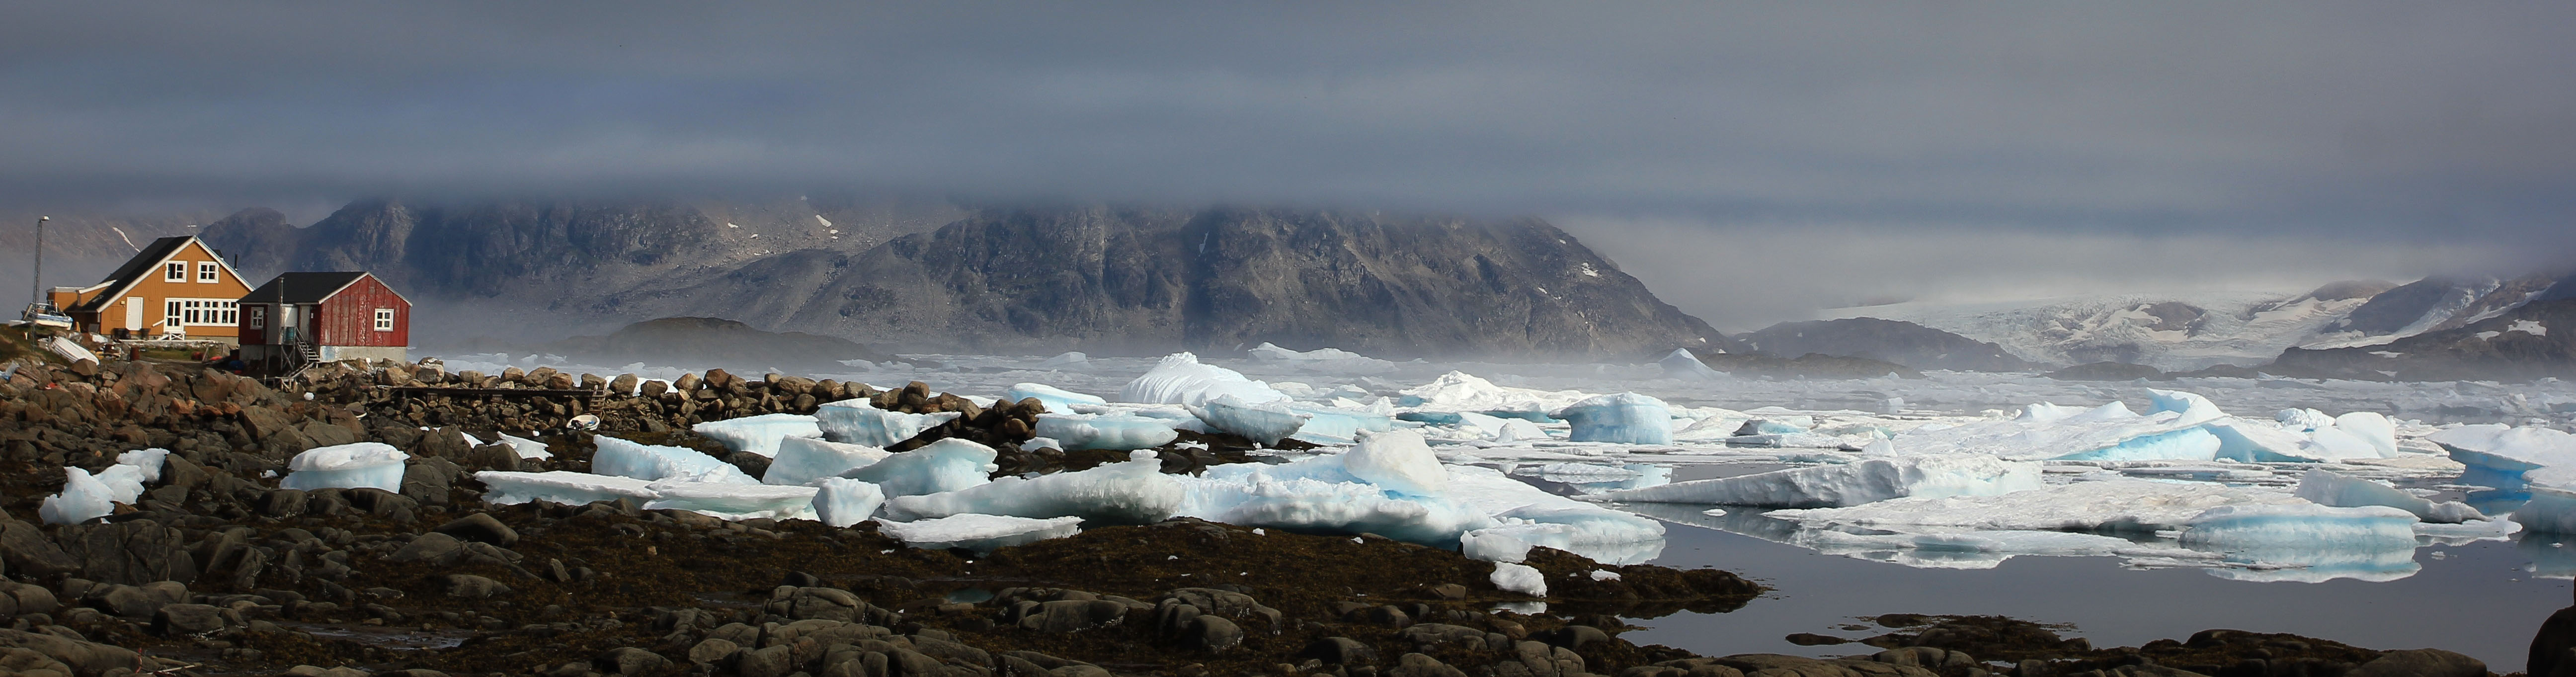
x,y
1742,277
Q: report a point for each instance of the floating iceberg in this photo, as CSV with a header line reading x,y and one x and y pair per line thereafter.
x,y
1627,418
732,500
649,462
1855,483
946,465
1070,360
2302,526
348,466
1399,462
1458,391
2329,488
1320,359
2550,511
804,459
1336,426
979,533
2116,505
1056,399
1131,492
1114,432
83,498
855,421
2512,454
1681,364
841,502
759,434
560,486
1266,423
1181,379
2192,407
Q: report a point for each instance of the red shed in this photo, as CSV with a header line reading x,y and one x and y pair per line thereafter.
x,y
305,317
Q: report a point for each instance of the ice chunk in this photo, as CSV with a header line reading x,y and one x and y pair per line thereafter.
x,y
561,486
1603,535
1266,423
1864,481
2116,505
2303,420
2336,444
124,482
83,499
1520,578
980,533
347,466
2550,511
1115,432
1681,364
2324,487
2370,427
2044,431
1397,461
1130,492
841,501
1518,430
759,434
1458,391
1627,418
649,462
855,421
1338,426
1056,399
1070,360
731,500
526,448
2193,407
2254,441
148,461
1259,499
2188,444
946,465
2304,525
804,459
1319,359
2510,454
1181,379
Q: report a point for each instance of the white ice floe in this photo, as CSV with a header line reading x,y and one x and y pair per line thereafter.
x,y
1114,432
1056,399
1131,492
759,434
648,462
561,486
1329,360
1681,364
1181,379
2325,487
1332,425
82,499
526,448
2513,453
1457,391
855,421
1520,578
1855,483
1266,423
2304,524
980,533
2113,505
946,465
2550,511
348,466
1397,461
841,501
1626,418
732,500
805,459
2110,432
147,462
1068,360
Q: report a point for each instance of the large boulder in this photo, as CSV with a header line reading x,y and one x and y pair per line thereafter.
x,y
130,553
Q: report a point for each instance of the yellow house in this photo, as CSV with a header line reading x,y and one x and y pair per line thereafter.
x,y
177,287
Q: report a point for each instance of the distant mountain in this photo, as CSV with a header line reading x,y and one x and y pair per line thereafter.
x,y
1903,343
938,277
2530,341
2198,331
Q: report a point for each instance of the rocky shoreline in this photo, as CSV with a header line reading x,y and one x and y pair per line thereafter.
x,y
216,571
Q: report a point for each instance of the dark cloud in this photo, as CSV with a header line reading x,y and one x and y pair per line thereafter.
x,y
2395,122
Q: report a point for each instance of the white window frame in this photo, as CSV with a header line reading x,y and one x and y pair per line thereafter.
x,y
174,271
207,271
259,317
384,319
201,312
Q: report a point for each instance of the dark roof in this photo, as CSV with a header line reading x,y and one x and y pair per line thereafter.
x,y
145,261
302,287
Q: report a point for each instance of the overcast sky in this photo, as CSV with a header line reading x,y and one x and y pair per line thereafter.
x,y
2378,128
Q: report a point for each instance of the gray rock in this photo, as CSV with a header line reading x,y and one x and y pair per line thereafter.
x,y
1069,615
434,548
26,551
470,586
713,651
132,553
1418,665
1339,651
770,662
188,619
631,661
1211,633
283,503
2421,663
480,527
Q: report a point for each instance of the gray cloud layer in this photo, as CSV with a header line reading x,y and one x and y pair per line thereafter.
x,y
2394,121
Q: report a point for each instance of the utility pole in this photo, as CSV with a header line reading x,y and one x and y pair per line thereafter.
x,y
38,284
